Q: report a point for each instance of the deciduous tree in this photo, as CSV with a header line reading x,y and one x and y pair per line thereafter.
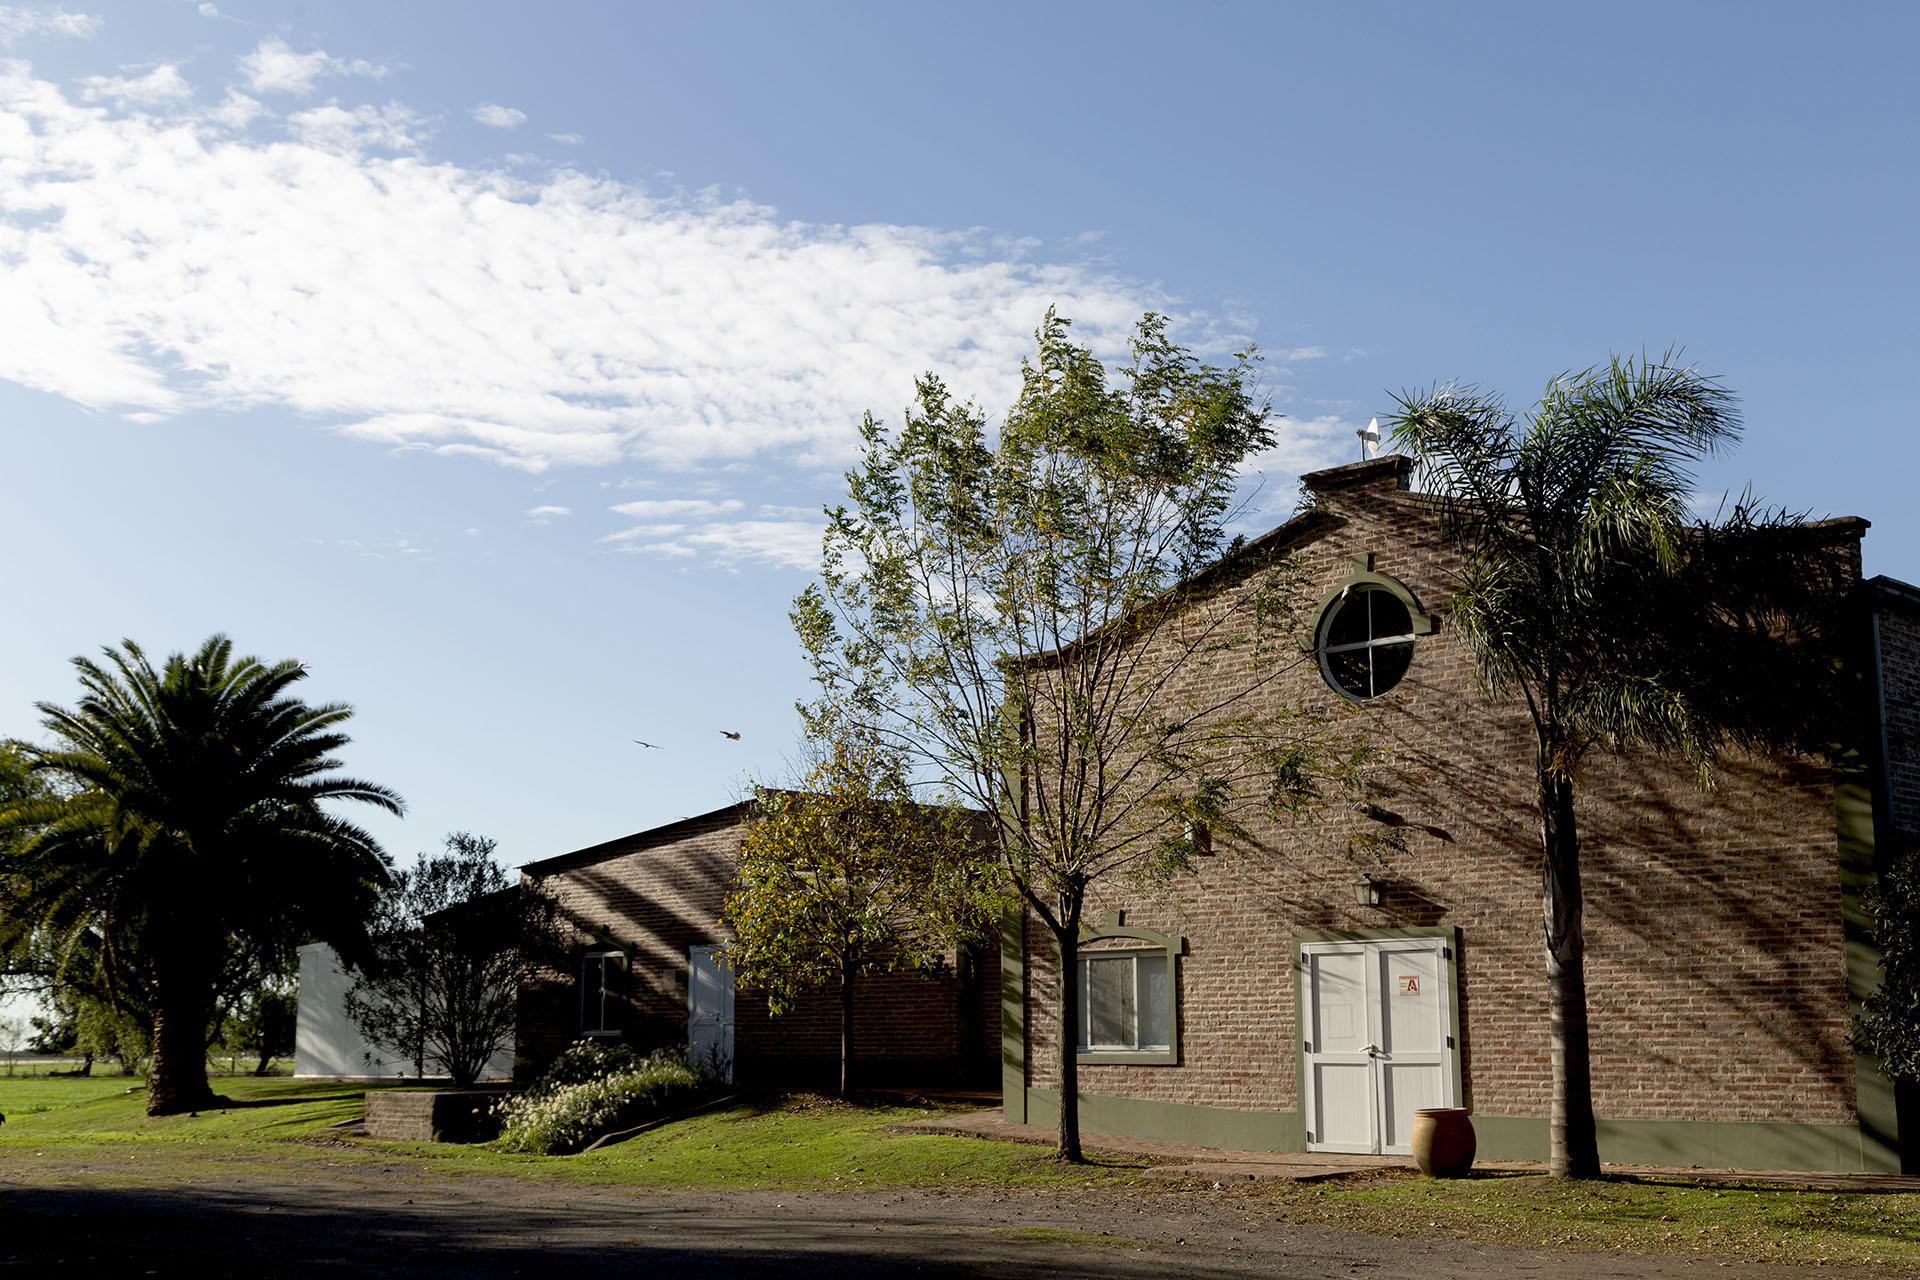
x,y
1024,613
848,874
452,941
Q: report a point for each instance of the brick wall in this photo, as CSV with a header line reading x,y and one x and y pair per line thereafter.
x,y
656,894
1713,920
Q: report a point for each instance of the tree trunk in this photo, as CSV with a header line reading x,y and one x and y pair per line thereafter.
x,y
182,1006
846,1027
1572,1146
1069,946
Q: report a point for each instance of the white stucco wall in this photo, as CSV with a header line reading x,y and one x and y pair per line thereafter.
x,y
327,1043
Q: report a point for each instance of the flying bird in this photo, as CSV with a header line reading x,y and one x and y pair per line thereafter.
x,y
728,733
651,746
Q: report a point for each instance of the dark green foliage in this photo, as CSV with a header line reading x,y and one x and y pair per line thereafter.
x,y
263,1023
451,942
1889,1025
187,840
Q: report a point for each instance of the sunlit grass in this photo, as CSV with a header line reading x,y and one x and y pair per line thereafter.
x,y
1754,1221
752,1142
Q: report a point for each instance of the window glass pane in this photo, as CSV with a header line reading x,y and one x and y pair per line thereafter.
x,y
1390,662
593,987
1109,997
1156,1003
1390,616
1349,622
1351,671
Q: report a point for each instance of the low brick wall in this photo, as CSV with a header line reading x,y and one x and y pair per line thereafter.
x,y
433,1115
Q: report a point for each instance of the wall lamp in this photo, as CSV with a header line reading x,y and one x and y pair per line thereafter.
x,y
1366,891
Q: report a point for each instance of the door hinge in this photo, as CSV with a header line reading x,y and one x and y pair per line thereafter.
x,y
1306,1046
1446,953
1449,1042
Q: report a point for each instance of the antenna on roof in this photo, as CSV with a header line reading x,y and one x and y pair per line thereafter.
x,y
1369,440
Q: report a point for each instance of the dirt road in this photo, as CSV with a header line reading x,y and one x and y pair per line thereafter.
x,y
96,1220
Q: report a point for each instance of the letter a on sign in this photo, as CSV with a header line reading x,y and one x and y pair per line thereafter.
x,y
1409,984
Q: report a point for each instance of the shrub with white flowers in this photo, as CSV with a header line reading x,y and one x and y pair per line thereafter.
x,y
594,1089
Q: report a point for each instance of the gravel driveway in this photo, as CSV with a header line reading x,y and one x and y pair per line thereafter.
x,y
86,1219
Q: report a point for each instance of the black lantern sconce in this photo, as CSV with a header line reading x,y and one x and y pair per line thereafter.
x,y
1366,891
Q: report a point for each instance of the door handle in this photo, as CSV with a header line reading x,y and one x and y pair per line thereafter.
x,y
1373,1051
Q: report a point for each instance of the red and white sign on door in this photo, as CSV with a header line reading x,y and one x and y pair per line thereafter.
x,y
1409,984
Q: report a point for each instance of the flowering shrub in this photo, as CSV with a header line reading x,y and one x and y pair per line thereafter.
x,y
592,1090
587,1060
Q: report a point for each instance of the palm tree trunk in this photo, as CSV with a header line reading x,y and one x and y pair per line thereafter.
x,y
182,1005
1068,939
1572,1146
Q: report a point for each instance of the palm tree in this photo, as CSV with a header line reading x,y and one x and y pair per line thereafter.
x,y
192,824
1587,591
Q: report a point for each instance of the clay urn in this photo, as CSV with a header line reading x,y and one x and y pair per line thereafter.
x,y
1443,1142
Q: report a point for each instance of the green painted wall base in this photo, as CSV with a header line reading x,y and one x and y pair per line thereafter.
x,y
1703,1144
1174,1122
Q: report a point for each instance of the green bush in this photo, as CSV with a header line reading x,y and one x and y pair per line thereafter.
x,y
594,1090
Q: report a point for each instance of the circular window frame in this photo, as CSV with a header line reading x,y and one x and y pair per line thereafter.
x,y
1364,579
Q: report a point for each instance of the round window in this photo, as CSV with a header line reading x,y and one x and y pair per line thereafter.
x,y
1365,642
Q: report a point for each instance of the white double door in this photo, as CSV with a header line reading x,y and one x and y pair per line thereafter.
x,y
710,1011
1378,1016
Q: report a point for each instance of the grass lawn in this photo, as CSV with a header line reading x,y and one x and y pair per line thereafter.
x,y
84,1130
754,1142
1750,1221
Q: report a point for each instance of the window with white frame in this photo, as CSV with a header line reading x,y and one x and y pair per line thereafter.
x,y
1126,1002
599,992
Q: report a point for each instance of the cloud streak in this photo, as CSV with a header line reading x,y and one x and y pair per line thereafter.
x,y
166,253
17,22
273,67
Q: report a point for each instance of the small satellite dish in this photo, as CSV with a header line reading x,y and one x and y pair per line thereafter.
x,y
1369,440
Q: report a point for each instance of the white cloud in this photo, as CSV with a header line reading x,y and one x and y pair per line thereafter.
x,y
165,262
211,11
495,116
1302,445
676,508
549,511
20,21
783,544
162,86
273,67
335,129
567,139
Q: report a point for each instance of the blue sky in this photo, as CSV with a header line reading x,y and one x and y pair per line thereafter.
x,y
496,359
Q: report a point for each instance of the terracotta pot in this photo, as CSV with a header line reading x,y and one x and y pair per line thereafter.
x,y
1443,1142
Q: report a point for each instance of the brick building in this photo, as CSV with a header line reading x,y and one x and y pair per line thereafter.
x,y
1258,1004
644,911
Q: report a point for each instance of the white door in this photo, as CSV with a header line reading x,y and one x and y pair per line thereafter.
x,y
710,1011
1376,1035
